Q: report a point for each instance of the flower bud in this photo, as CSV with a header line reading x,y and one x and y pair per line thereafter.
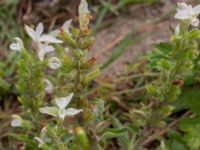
x,y
82,138
68,39
90,62
87,43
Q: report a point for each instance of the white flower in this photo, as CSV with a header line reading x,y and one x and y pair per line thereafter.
x,y
65,27
16,121
38,37
187,12
84,14
49,86
43,138
60,111
54,63
43,49
18,46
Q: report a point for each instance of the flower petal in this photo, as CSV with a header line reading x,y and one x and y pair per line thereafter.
x,y
196,10
66,25
43,49
54,33
18,46
182,15
49,86
66,49
181,6
43,132
15,47
39,29
62,113
53,111
62,102
31,33
83,14
72,111
194,22
16,121
54,63
49,39
39,140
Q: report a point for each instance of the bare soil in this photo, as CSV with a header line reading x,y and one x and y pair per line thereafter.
x,y
143,18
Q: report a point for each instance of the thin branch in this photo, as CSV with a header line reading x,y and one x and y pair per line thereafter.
x,y
163,132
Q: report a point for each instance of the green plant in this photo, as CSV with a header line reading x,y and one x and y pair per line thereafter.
x,y
60,109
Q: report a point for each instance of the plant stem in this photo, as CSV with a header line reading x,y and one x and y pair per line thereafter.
x,y
164,131
133,91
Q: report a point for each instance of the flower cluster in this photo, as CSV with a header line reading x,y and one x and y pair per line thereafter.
x,y
42,43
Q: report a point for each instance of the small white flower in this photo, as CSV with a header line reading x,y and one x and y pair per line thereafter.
x,y
43,49
38,37
65,27
18,46
54,63
16,121
187,12
83,15
49,86
60,111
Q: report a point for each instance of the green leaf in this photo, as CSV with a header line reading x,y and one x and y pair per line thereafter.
x,y
113,133
191,127
165,48
190,99
175,145
160,52
173,134
4,85
194,34
99,108
188,124
22,137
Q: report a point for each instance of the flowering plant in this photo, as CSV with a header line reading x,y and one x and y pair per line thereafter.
x,y
60,110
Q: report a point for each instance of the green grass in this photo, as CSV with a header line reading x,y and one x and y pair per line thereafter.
x,y
8,23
